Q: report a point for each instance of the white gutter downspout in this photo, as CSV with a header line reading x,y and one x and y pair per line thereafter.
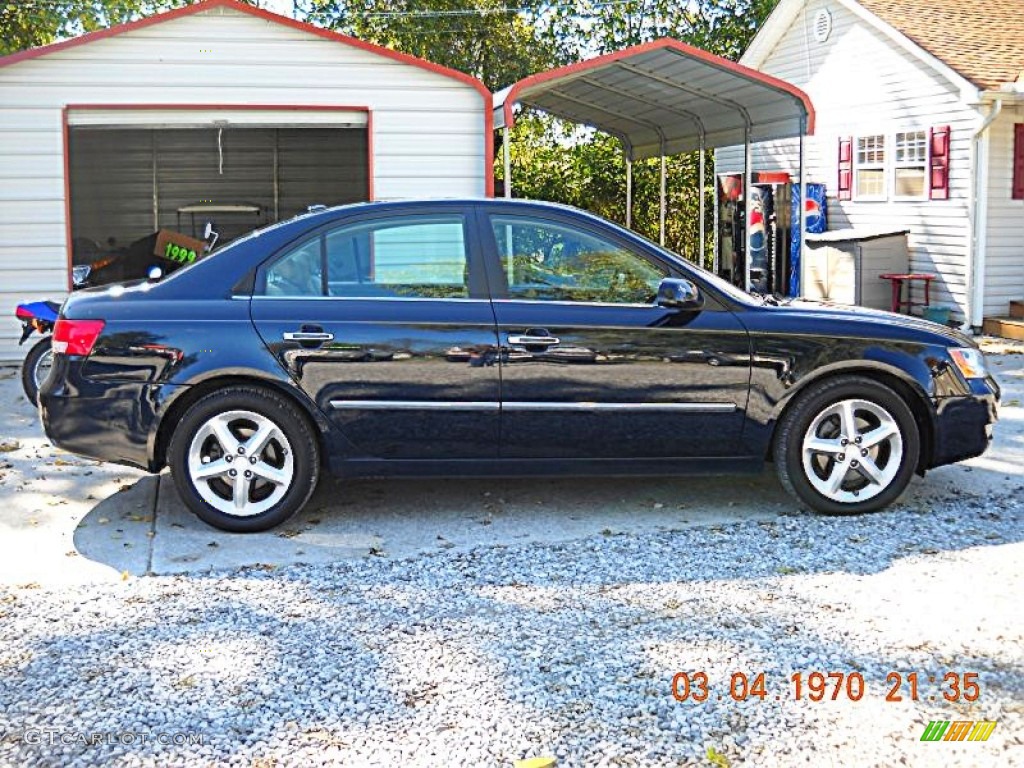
x,y
977,221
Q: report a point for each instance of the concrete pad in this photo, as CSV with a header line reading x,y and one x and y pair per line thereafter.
x,y
184,544
47,499
118,531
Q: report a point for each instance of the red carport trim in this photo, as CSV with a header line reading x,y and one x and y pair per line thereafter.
x,y
66,133
665,43
327,34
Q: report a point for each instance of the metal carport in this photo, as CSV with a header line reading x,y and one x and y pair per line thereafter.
x,y
662,98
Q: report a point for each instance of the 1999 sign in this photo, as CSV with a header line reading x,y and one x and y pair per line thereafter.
x,y
818,686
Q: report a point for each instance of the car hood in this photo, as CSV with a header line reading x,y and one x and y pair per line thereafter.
x,y
906,326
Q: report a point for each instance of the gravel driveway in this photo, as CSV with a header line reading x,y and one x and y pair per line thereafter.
x,y
488,652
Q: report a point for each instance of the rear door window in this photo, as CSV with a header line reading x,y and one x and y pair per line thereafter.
x,y
412,256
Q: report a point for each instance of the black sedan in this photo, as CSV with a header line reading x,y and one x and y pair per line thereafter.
x,y
491,337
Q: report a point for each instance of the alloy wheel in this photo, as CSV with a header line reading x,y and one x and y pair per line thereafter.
x,y
852,451
241,463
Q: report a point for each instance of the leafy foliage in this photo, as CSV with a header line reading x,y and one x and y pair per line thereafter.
x,y
495,41
551,161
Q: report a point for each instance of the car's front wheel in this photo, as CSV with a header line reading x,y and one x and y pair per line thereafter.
x,y
244,459
848,445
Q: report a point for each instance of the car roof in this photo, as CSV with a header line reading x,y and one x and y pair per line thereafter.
x,y
454,202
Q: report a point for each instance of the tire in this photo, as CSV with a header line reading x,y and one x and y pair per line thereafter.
x,y
36,367
214,438
834,478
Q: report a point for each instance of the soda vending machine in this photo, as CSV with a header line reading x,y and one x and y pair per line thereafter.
x,y
815,216
772,241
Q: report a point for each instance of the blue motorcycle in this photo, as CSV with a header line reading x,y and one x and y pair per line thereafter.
x,y
133,262
40,317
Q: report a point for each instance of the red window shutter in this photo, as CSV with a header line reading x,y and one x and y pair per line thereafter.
x,y
845,185
938,178
1018,161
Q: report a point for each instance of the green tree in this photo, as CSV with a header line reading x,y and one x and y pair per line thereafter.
x,y
724,27
555,161
496,41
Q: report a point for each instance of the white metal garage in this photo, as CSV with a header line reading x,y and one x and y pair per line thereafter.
x,y
110,133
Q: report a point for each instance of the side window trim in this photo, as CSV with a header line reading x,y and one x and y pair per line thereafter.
x,y
482,255
322,236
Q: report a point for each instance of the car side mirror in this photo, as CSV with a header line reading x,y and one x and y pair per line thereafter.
x,y
211,236
679,293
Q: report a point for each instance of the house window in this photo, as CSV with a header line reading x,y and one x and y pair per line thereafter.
x,y
911,157
870,168
915,164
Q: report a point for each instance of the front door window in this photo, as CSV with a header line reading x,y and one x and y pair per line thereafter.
x,y
545,260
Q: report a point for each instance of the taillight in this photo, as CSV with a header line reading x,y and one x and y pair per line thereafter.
x,y
76,337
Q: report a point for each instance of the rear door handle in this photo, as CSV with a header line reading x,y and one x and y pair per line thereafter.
x,y
308,336
528,340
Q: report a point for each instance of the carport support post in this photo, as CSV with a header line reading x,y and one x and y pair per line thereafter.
x,y
716,226
629,193
661,207
700,187
747,188
801,212
507,160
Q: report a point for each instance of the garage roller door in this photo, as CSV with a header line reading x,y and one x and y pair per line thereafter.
x,y
127,182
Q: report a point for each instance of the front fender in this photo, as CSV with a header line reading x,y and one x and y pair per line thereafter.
x,y
782,368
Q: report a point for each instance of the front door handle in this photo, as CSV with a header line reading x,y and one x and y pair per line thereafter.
x,y
528,340
308,336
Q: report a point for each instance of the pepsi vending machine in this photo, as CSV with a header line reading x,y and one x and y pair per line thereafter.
x,y
815,217
761,238
773,238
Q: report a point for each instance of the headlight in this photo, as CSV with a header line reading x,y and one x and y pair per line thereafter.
x,y
970,362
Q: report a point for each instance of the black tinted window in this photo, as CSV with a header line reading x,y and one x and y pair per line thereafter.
x,y
298,272
408,256
421,256
547,260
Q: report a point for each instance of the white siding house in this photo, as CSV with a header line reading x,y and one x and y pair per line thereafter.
x,y
888,91
425,130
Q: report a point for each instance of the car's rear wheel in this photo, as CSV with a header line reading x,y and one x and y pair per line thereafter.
x,y
36,367
848,445
244,459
